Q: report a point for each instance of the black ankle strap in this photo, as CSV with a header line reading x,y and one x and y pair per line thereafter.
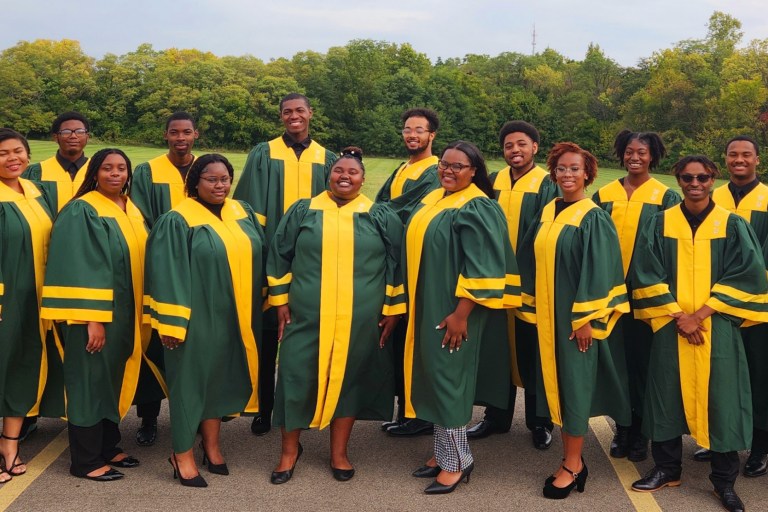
x,y
9,438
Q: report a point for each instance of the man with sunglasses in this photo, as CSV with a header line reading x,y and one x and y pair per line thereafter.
x,y
403,190
746,196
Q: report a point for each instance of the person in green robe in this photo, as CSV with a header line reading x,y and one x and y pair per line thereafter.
x,y
158,186
632,201
25,225
335,281
698,276
522,190
93,290
459,265
747,197
574,291
402,192
204,281
278,173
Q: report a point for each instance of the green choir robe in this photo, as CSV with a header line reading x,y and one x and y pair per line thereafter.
x,y
95,273
699,389
25,227
204,285
754,209
337,270
521,201
456,246
408,185
572,274
156,187
57,183
629,216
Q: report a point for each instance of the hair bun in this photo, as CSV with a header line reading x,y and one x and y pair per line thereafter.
x,y
353,151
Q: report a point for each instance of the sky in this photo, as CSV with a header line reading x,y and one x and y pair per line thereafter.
x,y
626,31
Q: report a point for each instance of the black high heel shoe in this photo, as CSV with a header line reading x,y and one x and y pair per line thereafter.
x,y
579,482
14,464
217,469
427,472
280,477
438,488
342,475
195,481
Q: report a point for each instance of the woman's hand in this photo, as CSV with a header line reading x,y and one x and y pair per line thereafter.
x,y
387,325
691,328
97,337
583,337
170,342
283,318
455,325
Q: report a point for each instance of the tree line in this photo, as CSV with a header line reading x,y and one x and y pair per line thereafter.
x,y
697,94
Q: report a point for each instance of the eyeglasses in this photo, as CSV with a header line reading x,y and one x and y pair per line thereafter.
x,y
455,166
417,131
67,133
701,178
566,170
225,180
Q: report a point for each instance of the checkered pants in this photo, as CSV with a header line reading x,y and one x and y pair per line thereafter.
x,y
452,448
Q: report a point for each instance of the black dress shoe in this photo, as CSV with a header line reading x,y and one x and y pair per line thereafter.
x,y
280,477
128,462
147,433
389,424
638,448
342,475
412,427
438,488
756,465
484,429
542,438
427,472
261,424
110,475
702,455
730,500
620,443
654,480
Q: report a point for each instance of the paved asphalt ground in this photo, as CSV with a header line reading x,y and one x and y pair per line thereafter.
x,y
509,475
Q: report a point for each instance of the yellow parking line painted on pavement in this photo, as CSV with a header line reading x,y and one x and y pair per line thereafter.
x,y
9,491
625,470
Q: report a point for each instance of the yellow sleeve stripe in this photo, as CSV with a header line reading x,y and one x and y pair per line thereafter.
x,y
602,315
278,300
169,330
529,300
746,314
395,309
512,301
526,316
394,291
82,315
650,291
2,288
74,292
599,304
659,322
658,311
170,309
481,283
279,281
739,294
512,280
262,219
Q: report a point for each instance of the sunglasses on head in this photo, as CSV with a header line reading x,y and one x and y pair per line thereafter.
x,y
701,178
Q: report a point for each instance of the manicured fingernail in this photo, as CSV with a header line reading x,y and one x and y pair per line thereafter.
x,y
458,348
451,351
437,327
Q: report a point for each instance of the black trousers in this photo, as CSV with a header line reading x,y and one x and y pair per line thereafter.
x,y
92,447
502,418
668,456
759,441
267,360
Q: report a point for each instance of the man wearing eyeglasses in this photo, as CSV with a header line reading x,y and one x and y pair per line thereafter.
x,y
747,197
403,190
277,174
157,187
62,174
522,189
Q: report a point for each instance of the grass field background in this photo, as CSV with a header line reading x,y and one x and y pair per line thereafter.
x,y
377,169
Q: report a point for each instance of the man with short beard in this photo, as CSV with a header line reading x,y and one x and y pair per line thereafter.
x,y
403,190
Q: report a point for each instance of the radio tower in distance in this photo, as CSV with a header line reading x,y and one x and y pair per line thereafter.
x,y
533,40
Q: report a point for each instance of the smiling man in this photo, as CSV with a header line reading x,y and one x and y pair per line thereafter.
x,y
277,174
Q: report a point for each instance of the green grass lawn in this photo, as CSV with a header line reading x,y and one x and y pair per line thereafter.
x,y
377,169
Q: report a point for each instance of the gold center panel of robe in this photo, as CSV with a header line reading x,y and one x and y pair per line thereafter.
x,y
40,224
435,203
297,172
240,258
52,171
409,172
165,173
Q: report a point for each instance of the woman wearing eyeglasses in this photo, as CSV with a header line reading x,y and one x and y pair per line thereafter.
x,y
574,291
459,265
334,278
632,201
204,280
94,286
698,277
